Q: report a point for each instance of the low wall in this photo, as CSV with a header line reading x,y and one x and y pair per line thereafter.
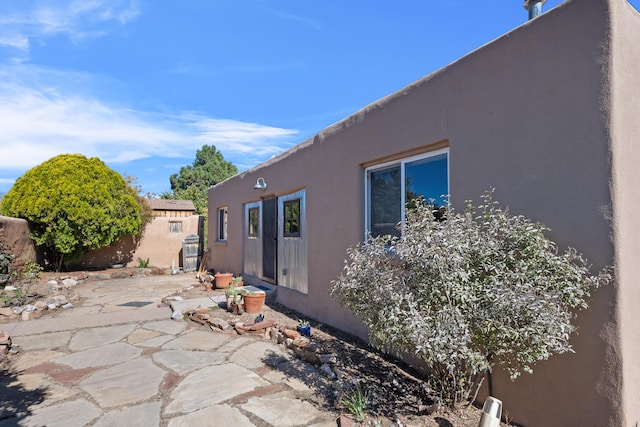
x,y
14,238
161,243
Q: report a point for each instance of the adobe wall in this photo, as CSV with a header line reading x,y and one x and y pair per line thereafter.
x,y
156,243
528,114
14,234
625,129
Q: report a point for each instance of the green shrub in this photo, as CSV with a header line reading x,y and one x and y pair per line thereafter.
x,y
74,205
467,292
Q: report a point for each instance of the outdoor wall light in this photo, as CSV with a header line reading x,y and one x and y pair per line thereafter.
x,y
261,184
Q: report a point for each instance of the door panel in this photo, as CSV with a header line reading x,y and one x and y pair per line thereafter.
x,y
269,239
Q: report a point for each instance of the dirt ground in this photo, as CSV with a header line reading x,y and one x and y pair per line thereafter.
x,y
397,392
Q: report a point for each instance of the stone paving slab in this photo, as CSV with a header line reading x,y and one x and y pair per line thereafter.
x,y
146,414
57,324
281,411
74,413
216,415
182,361
212,385
197,340
187,305
125,383
51,340
105,355
94,337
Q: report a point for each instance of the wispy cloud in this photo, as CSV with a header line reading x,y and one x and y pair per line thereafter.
x,y
40,119
77,19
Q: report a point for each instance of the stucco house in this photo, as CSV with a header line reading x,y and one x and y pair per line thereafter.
x,y
549,115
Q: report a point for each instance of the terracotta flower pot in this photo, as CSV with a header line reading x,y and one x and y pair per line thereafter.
x,y
254,303
223,280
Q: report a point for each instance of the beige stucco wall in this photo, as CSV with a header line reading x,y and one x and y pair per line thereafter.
x,y
536,114
14,237
625,130
156,243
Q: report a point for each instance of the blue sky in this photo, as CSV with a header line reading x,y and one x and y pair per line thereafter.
x,y
143,84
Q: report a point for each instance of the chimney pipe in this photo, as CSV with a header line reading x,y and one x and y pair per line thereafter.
x,y
534,7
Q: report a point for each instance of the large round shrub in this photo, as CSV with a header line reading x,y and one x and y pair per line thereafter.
x,y
74,205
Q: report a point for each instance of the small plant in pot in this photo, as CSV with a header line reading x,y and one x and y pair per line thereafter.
x,y
304,328
234,296
254,301
237,281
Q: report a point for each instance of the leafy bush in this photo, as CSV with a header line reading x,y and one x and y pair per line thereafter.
x,y
467,292
73,205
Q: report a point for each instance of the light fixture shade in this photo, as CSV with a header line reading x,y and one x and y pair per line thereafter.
x,y
261,184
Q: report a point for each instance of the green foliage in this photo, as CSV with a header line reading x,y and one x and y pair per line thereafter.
x,y
143,263
74,205
193,182
355,401
467,292
32,270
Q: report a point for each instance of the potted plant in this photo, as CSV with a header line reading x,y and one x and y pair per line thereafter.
x,y
234,296
223,280
237,281
254,301
304,328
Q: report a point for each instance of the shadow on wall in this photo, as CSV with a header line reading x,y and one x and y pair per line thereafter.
x,y
121,252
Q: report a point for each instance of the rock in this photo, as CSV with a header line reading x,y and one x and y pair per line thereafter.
x,y
262,325
40,305
29,315
327,371
311,356
18,309
5,339
6,311
328,358
290,333
176,315
58,300
67,306
52,306
29,307
220,323
69,282
10,288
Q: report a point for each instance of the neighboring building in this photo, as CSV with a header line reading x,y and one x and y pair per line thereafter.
x,y
172,208
549,115
162,241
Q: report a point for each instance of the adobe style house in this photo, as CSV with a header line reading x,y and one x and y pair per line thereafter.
x,y
549,115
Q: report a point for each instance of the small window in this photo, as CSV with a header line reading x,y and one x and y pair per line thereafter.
x,y
292,218
175,226
254,222
222,223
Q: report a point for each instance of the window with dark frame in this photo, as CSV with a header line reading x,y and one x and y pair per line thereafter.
x,y
254,222
222,223
292,218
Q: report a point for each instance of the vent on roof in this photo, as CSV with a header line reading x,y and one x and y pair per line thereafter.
x,y
534,7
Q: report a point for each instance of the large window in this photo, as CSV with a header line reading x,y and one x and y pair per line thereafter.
x,y
392,187
222,223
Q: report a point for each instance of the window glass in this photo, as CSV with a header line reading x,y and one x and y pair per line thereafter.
x,y
385,203
425,177
222,223
254,221
292,218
